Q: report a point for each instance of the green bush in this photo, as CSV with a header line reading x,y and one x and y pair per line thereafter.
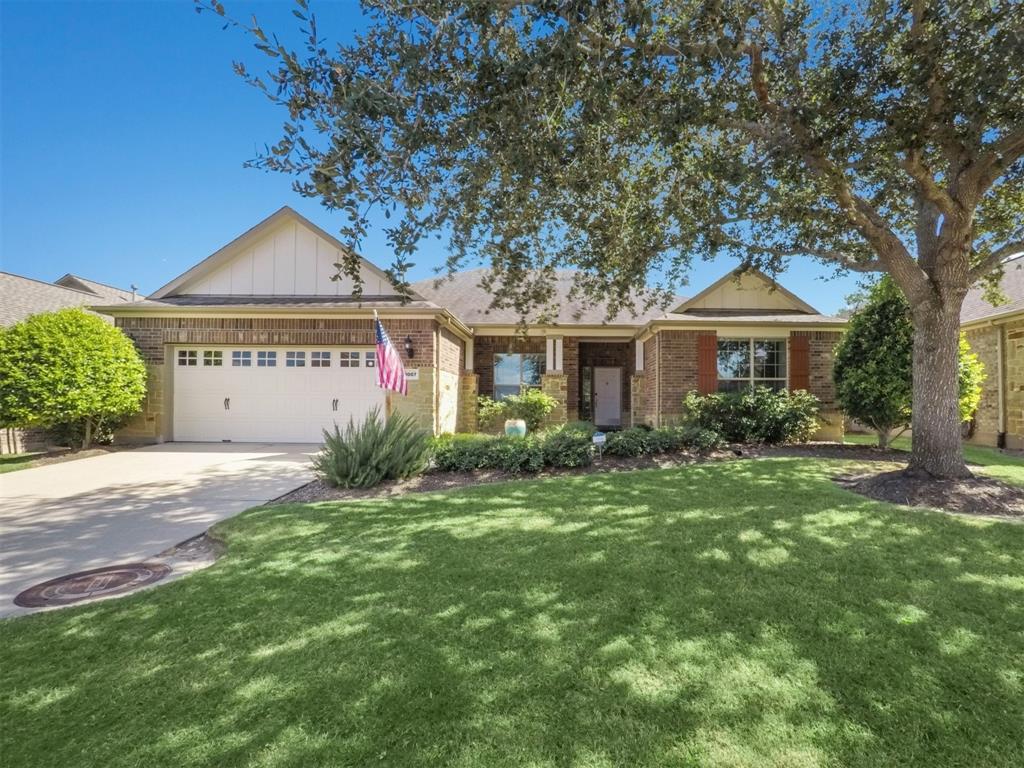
x,y
567,448
630,442
515,454
758,416
69,368
531,405
461,453
644,441
373,451
464,453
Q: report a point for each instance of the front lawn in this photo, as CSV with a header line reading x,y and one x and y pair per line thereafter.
x,y
745,613
9,462
988,461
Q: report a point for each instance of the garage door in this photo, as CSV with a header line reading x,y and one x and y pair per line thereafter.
x,y
270,394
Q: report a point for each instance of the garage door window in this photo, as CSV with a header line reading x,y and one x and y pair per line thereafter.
x,y
371,359
213,357
266,359
295,359
188,357
241,359
320,359
348,359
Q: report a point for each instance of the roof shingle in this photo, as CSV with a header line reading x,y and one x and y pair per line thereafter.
x,y
975,307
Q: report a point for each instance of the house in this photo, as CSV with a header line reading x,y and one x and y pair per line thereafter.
x,y
996,335
258,343
21,297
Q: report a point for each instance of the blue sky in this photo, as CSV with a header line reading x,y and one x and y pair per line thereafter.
x,y
124,131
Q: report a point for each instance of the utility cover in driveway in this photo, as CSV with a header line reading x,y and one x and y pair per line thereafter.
x,y
91,585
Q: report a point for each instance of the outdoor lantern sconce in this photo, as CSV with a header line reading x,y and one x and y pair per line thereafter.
x,y
409,351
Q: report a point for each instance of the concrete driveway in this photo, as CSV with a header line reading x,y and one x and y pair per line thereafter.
x,y
130,505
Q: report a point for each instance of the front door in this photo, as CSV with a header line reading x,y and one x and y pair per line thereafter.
x,y
608,397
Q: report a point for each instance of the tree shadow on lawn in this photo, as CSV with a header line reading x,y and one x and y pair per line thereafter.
x,y
747,613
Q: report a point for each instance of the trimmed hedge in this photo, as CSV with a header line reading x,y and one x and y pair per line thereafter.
x,y
644,441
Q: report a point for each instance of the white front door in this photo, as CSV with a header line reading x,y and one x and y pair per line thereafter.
x,y
270,394
608,397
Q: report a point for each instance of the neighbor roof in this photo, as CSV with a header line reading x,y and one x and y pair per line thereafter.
x,y
23,296
462,295
975,308
106,292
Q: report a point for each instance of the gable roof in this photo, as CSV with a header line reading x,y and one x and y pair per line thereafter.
x,y
106,292
463,295
976,309
21,297
237,247
790,301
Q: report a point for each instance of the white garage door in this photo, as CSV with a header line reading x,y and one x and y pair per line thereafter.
x,y
270,394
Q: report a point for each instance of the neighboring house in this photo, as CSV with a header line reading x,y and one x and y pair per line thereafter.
x,y
21,297
258,343
996,335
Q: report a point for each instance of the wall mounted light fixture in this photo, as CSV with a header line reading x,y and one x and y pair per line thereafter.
x,y
410,352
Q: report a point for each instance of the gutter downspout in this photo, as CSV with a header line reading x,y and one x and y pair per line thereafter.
x,y
1000,393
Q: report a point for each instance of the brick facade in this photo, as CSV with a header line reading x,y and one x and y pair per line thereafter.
x,y
985,344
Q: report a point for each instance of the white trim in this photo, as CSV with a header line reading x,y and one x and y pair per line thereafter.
x,y
549,355
639,356
558,353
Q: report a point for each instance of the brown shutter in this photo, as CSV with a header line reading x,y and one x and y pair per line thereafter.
x,y
707,363
799,363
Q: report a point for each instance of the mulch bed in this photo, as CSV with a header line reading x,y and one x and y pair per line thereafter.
x,y
973,496
976,496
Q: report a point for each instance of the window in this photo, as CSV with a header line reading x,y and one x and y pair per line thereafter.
x,y
241,358
514,372
371,359
295,359
188,357
348,359
746,363
266,359
319,359
213,357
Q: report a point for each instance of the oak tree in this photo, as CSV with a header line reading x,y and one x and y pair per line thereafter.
x,y
625,138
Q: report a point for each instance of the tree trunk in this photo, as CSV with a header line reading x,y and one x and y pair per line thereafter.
x,y
883,437
936,448
87,438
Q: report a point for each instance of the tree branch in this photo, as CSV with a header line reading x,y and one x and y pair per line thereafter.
x,y
842,259
914,165
994,259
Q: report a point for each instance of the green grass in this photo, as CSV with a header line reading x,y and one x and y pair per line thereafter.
x,y
10,462
989,461
748,613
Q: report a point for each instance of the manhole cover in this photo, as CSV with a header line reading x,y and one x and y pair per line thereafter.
x,y
89,585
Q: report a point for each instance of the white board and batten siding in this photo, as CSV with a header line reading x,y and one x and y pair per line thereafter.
x,y
745,291
291,260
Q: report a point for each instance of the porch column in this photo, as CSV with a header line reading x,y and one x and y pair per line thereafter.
x,y
554,382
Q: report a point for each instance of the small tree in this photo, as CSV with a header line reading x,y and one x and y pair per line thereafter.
x,y
874,364
69,367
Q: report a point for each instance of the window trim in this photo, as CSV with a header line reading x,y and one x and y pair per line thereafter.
x,y
188,358
295,358
213,358
266,358
752,380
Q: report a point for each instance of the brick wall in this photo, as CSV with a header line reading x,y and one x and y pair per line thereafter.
x,y
650,398
466,420
150,334
676,368
985,344
451,353
1013,351
821,356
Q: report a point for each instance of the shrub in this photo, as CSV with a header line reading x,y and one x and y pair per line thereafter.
x,y
874,361
758,416
567,448
461,453
373,451
515,454
69,368
531,405
586,427
630,442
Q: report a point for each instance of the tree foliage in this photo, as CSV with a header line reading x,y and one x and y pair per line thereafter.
x,y
873,365
625,138
69,368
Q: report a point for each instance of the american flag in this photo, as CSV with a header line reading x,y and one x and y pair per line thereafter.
x,y
390,371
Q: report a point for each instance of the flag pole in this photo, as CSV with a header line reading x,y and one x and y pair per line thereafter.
x,y
387,393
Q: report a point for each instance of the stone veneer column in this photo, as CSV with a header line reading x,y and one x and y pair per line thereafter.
x,y
469,388
637,383
419,403
556,385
